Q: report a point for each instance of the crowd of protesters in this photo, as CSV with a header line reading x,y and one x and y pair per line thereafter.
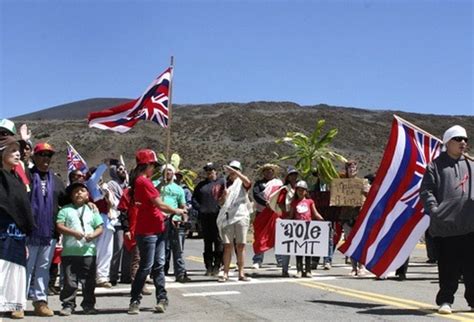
x,y
129,229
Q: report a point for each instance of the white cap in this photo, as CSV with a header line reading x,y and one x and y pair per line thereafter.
x,y
453,132
302,184
235,164
168,166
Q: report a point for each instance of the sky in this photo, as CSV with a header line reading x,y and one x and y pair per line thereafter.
x,y
413,56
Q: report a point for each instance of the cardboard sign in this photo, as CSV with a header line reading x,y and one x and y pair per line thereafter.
x,y
347,192
303,238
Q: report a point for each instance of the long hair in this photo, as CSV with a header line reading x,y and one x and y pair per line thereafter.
x,y
134,174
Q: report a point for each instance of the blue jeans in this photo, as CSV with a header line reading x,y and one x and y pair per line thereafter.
x,y
328,259
152,259
38,264
175,244
258,259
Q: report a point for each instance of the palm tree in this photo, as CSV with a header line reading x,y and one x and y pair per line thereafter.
x,y
312,153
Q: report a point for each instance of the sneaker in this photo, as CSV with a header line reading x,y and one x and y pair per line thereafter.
x,y
161,306
65,311
183,279
104,285
299,275
472,308
445,308
90,310
327,266
308,274
134,308
42,309
17,315
256,266
285,274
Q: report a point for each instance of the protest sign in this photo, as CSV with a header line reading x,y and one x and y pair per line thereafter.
x,y
303,238
347,192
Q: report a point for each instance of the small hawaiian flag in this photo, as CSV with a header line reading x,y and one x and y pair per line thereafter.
x,y
74,160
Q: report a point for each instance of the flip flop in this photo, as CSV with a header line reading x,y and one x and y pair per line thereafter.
x,y
223,279
244,279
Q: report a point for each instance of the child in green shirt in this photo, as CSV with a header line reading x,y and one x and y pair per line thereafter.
x,y
80,226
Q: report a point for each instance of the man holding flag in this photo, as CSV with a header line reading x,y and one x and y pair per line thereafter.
x,y
447,194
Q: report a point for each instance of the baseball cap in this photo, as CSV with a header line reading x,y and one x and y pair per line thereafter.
x,y
302,184
8,125
209,166
146,156
43,146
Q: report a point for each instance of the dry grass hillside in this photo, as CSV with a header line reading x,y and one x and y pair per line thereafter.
x,y
225,131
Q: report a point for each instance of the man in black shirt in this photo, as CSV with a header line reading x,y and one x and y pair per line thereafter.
x,y
206,201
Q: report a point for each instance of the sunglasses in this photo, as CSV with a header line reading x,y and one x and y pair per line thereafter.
x,y
459,139
45,154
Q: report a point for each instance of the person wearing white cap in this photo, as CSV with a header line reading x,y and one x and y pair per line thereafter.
x,y
234,217
173,195
303,208
447,192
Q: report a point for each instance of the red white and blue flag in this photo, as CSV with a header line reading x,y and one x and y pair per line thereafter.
x,y
152,106
392,219
74,160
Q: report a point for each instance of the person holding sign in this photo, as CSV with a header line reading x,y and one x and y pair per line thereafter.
x,y
234,216
349,214
303,208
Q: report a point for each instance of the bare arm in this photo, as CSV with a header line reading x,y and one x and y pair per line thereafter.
x,y
245,180
97,232
168,209
68,231
315,214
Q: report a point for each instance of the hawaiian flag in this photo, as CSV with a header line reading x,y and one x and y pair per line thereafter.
x,y
392,219
152,106
74,160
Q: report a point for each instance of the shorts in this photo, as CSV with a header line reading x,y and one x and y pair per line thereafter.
x,y
237,231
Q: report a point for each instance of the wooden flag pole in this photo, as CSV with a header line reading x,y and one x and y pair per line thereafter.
x,y
170,95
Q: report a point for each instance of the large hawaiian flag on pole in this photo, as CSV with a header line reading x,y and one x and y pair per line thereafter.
x,y
74,160
152,106
392,219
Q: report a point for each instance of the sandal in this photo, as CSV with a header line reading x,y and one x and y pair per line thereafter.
x,y
222,279
244,279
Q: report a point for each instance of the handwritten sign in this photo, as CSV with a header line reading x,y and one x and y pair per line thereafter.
x,y
347,192
303,238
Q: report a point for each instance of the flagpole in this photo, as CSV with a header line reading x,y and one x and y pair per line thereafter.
x,y
416,127
168,139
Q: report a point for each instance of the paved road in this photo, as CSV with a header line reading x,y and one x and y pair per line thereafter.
x,y
329,295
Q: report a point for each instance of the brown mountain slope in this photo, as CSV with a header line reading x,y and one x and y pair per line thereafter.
x,y
225,131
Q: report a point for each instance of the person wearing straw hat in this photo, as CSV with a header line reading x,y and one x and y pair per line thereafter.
x,y
262,189
447,192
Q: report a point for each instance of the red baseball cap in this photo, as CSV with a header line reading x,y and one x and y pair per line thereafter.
x,y
146,156
43,146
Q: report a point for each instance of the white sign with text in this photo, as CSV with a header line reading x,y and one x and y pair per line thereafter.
x,y
302,238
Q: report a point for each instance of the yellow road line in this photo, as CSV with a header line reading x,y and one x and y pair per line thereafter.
x,y
388,300
195,259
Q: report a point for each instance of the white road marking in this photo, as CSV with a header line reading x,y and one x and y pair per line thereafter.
x,y
230,282
211,293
